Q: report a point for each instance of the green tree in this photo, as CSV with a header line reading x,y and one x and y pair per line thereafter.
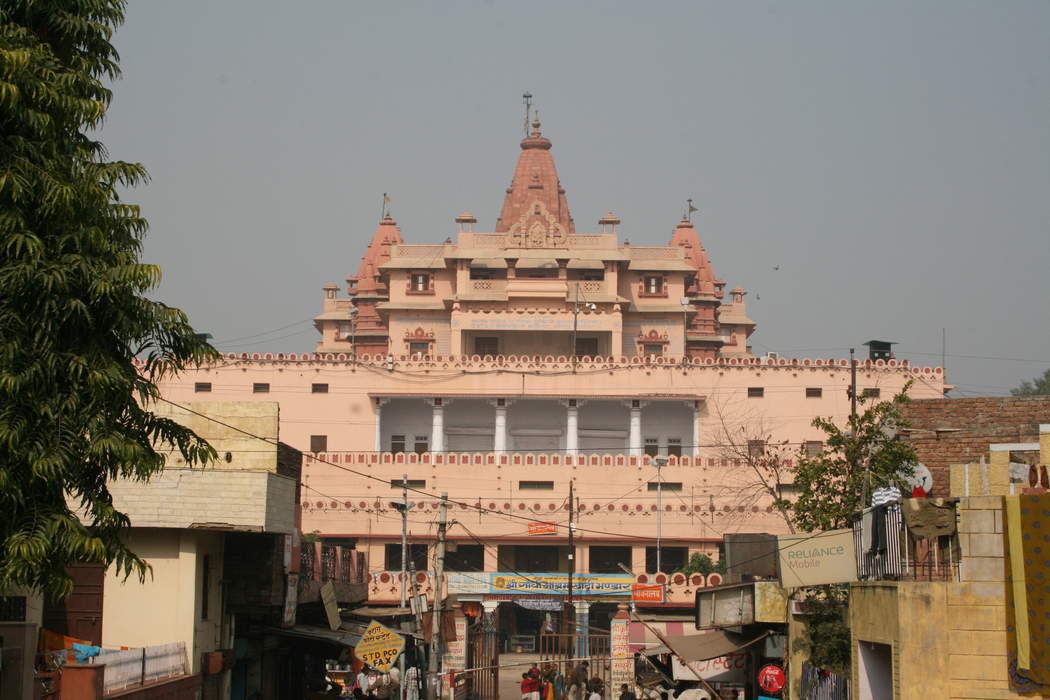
x,y
830,485
700,563
74,412
1038,386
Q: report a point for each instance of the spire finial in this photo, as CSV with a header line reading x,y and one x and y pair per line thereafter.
x,y
526,98
536,123
689,209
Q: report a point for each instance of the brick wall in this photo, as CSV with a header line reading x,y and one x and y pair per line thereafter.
x,y
979,422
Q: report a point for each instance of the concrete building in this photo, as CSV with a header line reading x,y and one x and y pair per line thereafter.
x,y
502,366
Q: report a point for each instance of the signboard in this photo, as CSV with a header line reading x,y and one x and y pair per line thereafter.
x,y
379,646
532,585
622,663
291,600
731,668
331,606
647,593
456,651
771,678
815,559
543,529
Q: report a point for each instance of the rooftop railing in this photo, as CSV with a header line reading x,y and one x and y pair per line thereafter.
x,y
888,551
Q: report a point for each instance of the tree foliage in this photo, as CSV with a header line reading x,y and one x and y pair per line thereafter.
x,y
830,485
700,563
826,639
1039,386
73,409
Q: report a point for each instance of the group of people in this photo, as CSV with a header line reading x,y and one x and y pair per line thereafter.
x,y
370,683
549,683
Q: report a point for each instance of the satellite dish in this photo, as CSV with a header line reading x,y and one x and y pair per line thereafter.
x,y
920,477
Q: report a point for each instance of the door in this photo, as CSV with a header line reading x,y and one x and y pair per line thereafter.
x,y
79,615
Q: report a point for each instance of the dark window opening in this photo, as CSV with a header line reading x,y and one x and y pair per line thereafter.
x,y
486,346
202,387
397,443
586,347
13,608
755,392
654,284
536,485
671,559
420,282
417,557
814,392
756,448
411,483
535,558
319,388
665,485
814,448
654,349
652,447
871,393
674,447
260,388
318,443
422,444
419,348
607,560
465,557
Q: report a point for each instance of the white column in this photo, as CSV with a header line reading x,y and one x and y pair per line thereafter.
x,y
696,429
572,431
437,426
634,442
500,442
379,424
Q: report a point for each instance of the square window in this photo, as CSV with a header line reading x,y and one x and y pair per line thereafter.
x,y
607,559
652,447
202,387
671,559
420,282
417,557
813,448
674,447
419,348
814,392
756,448
654,284
318,388
755,392
871,393
397,443
318,443
586,347
465,557
654,349
260,388
422,444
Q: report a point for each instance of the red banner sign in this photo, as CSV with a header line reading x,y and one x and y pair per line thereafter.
x,y
543,529
647,593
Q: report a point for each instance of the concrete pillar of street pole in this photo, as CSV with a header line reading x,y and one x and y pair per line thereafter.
x,y
572,432
437,426
635,436
500,440
583,624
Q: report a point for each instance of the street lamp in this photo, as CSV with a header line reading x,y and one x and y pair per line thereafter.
x,y
660,463
353,333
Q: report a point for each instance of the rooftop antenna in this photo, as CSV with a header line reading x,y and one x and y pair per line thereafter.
x,y
526,98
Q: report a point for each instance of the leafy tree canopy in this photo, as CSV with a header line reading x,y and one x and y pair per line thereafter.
x,y
1038,386
73,410
700,563
830,485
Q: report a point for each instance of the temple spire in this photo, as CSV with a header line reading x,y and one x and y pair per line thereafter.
x,y
535,197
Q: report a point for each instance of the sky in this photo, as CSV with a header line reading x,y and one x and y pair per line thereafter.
x,y
864,169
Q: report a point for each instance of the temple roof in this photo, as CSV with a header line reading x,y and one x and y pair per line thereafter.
x,y
685,237
386,235
535,200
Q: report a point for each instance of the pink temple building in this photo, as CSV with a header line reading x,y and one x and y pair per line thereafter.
x,y
499,366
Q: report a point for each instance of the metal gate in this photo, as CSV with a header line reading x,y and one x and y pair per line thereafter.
x,y
566,651
483,656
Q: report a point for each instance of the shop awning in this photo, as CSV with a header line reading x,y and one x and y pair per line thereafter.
x,y
341,637
701,647
489,264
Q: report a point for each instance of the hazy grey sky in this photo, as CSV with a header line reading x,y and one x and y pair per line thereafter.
x,y
892,158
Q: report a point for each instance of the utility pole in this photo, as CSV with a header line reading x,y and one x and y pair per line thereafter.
x,y
852,384
434,677
569,610
404,506
660,462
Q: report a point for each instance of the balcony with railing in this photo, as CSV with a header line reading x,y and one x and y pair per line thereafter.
x,y
908,540
320,563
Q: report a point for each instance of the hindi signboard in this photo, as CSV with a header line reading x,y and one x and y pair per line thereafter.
x,y
543,529
622,662
816,559
379,646
647,593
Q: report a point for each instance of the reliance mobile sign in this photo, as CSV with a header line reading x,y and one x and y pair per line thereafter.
x,y
817,558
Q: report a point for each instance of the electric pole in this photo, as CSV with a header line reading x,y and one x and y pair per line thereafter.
x,y
569,610
852,384
660,462
434,676
404,506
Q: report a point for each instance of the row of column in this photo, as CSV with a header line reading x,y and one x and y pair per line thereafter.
x,y
572,421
